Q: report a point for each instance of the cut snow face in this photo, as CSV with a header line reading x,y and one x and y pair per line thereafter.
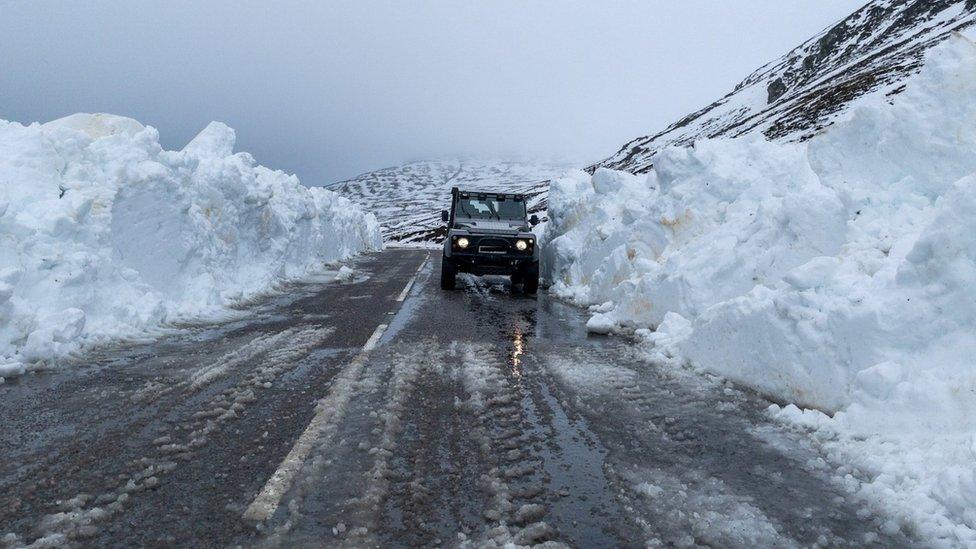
x,y
105,233
408,199
836,274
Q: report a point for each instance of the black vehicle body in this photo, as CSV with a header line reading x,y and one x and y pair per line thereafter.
x,y
490,233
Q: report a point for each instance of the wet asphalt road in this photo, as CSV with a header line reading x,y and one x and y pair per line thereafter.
x,y
480,418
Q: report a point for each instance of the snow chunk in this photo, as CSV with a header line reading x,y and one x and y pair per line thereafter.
x,y
217,139
609,181
12,369
599,323
96,125
345,274
55,330
813,274
878,381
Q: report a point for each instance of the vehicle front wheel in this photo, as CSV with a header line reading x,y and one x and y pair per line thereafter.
x,y
448,274
530,278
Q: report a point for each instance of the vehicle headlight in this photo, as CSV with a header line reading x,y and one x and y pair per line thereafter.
x,y
462,242
522,245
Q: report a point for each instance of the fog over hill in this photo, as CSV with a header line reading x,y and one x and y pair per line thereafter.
x,y
791,98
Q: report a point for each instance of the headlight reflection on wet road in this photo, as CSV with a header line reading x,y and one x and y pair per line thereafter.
x,y
518,344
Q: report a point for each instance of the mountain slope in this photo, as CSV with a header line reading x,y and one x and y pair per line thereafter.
x,y
875,48
408,199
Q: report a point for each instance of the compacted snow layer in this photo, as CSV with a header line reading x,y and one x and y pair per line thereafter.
x,y
104,233
835,274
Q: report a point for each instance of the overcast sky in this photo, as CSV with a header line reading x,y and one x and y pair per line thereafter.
x,y
329,90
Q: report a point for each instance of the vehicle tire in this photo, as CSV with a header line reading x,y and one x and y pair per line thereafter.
x,y
448,274
530,278
517,280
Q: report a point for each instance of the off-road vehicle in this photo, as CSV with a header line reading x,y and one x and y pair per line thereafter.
x,y
490,233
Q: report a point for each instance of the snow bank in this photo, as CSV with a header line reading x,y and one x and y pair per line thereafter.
x,y
836,274
104,233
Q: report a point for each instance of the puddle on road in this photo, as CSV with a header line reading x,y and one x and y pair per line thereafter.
x,y
582,499
579,500
416,299
319,358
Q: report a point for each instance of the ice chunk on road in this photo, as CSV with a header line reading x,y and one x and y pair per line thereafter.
x,y
56,330
11,369
599,323
345,274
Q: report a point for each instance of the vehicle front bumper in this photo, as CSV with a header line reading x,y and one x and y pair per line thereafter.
x,y
489,254
493,264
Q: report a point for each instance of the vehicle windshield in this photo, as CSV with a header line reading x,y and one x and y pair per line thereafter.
x,y
490,207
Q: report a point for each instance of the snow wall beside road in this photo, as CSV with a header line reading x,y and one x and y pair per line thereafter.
x,y
837,274
103,233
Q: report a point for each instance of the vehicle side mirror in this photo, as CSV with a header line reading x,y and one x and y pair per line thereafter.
x,y
444,216
534,220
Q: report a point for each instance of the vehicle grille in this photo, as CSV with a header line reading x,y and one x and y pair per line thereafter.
x,y
492,246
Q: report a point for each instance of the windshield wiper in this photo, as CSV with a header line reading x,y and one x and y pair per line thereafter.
x,y
493,211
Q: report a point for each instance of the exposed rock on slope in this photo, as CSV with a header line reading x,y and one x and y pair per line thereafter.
x,y
875,48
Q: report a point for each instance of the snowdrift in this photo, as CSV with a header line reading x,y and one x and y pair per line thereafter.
x,y
104,233
837,274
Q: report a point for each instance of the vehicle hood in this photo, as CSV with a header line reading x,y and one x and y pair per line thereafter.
x,y
491,226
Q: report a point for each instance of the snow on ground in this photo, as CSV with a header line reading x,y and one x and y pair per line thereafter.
x,y
874,49
105,234
835,274
408,199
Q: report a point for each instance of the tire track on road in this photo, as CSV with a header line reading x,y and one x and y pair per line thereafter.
x,y
401,373
434,490
711,481
78,516
509,448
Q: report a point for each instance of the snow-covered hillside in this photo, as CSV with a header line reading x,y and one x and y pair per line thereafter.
x,y
836,274
408,199
104,233
874,49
